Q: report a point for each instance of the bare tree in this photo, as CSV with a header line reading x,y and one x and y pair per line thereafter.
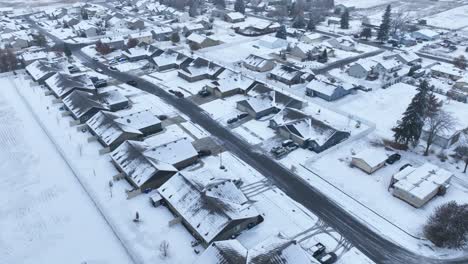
x,y
399,20
164,248
437,124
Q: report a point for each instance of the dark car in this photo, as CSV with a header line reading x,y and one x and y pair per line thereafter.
x,y
204,93
179,94
287,143
317,250
100,83
393,158
132,83
204,152
232,120
328,258
405,166
112,68
172,91
242,115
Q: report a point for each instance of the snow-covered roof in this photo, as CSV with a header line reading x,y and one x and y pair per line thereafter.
x,y
372,156
366,64
197,38
229,80
200,66
207,203
40,68
422,181
428,32
83,26
80,102
131,158
274,250
447,69
285,72
110,126
256,61
311,129
38,55
258,103
235,15
61,83
170,57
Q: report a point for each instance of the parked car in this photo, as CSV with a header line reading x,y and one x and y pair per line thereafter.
x,y
292,147
162,117
232,120
405,166
327,258
132,83
280,152
73,69
99,70
172,91
242,115
287,143
95,59
204,152
204,93
317,250
274,149
100,83
112,68
179,94
393,158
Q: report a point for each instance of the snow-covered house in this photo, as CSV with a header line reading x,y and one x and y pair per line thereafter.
x,y
171,59
305,52
116,22
274,250
83,105
425,34
70,20
62,84
229,83
369,160
272,42
135,23
149,166
114,42
201,41
85,29
343,43
257,63
211,207
258,106
41,70
30,57
286,74
418,185
462,84
112,129
200,69
447,71
161,33
407,57
310,37
234,17
193,27
306,131
329,89
362,68
145,37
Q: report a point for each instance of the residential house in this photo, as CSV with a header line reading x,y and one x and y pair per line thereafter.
x,y
112,129
161,33
343,43
70,20
329,89
234,17
62,84
30,57
114,42
83,105
229,83
148,166
259,64
201,41
310,37
307,131
276,249
193,28
447,71
425,34
171,59
369,160
286,74
41,70
407,57
307,52
418,185
462,84
362,68
200,69
209,205
85,29
143,37
272,42
135,23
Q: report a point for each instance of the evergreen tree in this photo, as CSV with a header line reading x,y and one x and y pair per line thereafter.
x,y
366,33
67,50
311,24
410,127
175,38
221,4
193,8
299,22
281,33
323,58
239,6
345,19
385,25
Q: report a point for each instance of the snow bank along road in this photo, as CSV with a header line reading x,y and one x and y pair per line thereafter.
x,y
371,243
45,215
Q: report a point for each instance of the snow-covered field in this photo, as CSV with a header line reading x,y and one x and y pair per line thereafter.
x,y
451,19
45,216
363,3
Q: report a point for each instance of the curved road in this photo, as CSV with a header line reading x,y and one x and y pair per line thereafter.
x,y
371,243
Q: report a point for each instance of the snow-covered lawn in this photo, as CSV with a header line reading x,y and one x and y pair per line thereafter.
x,y
450,19
46,216
363,3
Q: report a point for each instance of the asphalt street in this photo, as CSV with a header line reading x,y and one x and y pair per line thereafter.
x,y
370,242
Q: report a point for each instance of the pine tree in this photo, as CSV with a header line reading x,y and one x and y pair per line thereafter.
x,y
410,127
193,8
239,6
175,38
67,50
221,4
366,33
345,19
385,25
281,33
311,24
299,22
